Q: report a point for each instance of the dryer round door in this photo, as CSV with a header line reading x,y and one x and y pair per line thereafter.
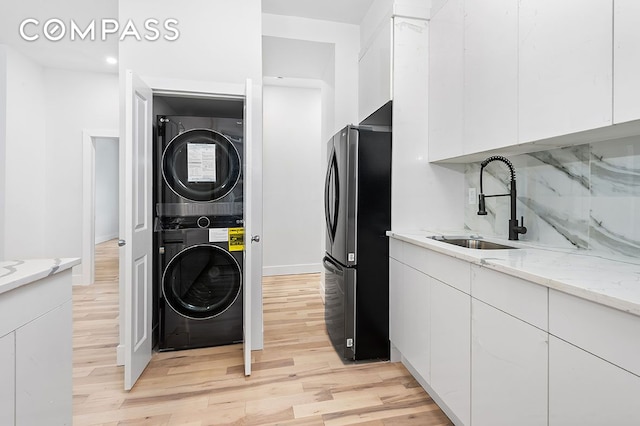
x,y
201,165
202,281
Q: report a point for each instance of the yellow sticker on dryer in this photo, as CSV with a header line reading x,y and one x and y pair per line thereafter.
x,y
236,239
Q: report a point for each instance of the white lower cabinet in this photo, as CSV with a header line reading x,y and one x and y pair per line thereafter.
x,y
488,357
8,382
396,323
587,390
416,314
508,369
450,348
409,315
43,369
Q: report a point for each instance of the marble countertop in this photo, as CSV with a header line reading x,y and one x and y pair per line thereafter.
x,y
594,276
16,273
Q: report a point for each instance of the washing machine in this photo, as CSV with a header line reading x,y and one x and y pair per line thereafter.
x,y
200,303
199,169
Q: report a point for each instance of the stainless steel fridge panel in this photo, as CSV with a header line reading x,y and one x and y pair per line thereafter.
x,y
351,140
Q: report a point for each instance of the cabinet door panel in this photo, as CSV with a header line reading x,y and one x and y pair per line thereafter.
x,y
626,61
508,369
43,369
417,321
7,383
586,390
490,74
446,76
520,298
565,67
396,284
601,330
450,347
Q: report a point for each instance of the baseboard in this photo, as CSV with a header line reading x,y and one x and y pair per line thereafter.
x,y
103,238
76,278
310,268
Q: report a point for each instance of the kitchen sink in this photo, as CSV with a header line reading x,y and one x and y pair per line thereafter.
x,y
472,243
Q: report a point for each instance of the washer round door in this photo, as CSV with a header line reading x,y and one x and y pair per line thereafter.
x,y
202,282
201,165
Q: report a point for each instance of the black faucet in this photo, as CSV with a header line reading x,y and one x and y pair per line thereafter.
x,y
514,227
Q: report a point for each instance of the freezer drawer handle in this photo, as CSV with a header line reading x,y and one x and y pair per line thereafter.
x,y
331,266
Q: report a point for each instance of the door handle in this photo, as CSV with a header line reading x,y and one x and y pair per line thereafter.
x,y
121,243
331,266
255,238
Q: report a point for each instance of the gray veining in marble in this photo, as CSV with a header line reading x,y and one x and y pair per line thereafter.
x,y
585,196
11,268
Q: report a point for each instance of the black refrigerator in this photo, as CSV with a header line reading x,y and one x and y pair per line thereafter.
x,y
357,202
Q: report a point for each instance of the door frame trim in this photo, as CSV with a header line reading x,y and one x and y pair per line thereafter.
x,y
89,137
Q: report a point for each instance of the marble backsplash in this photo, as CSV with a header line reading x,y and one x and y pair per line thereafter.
x,y
584,196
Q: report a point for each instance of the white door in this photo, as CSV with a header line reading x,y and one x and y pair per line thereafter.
x,y
252,276
137,259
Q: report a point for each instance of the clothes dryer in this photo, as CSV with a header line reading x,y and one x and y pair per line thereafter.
x,y
200,295
199,168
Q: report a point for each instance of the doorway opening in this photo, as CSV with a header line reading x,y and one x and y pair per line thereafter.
x,y
101,195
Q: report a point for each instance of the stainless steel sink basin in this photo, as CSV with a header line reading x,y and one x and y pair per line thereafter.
x,y
473,243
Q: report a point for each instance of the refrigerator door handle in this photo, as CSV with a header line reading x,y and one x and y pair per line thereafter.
x,y
331,266
332,219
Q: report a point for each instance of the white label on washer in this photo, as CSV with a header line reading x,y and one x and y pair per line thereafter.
x,y
218,235
201,162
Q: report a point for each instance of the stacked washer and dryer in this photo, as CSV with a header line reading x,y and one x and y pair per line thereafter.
x,y
199,232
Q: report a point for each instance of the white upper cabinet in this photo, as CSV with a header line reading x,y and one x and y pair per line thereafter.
x,y
565,67
626,61
446,76
374,68
490,74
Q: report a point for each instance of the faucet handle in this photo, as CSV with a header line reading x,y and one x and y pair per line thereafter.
x,y
523,229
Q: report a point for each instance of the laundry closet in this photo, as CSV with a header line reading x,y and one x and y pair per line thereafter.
x,y
198,239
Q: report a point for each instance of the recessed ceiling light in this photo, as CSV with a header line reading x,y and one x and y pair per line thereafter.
x,y
111,60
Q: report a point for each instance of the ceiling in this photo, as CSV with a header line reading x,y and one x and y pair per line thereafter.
x,y
345,11
79,55
91,55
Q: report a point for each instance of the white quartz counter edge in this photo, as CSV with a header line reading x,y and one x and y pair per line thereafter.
x,y
610,282
16,273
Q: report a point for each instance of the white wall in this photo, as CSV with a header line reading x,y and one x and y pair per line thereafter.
x,y
25,172
346,38
106,172
3,136
292,180
75,101
220,41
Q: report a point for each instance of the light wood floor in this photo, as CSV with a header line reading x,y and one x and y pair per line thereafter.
x,y
297,379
